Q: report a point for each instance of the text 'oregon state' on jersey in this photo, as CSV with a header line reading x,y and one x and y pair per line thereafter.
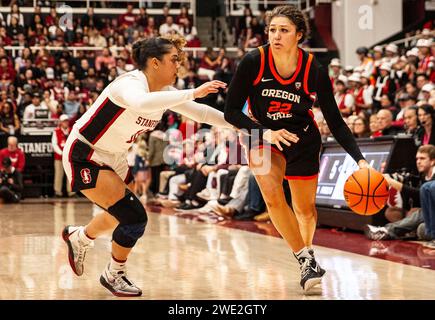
x,y
279,103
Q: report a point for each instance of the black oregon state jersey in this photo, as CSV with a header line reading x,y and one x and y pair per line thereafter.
x,y
278,103
259,99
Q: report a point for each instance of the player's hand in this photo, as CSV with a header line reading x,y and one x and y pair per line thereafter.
x,y
208,87
280,136
363,164
388,178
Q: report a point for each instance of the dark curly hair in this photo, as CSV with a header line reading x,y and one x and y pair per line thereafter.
x,y
296,16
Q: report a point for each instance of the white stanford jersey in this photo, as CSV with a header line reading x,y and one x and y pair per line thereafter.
x,y
124,110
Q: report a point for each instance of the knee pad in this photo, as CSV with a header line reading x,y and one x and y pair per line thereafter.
x,y
126,235
129,210
132,219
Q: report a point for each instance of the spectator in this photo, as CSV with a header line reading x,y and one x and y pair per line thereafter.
x,y
157,145
410,120
7,72
190,34
425,92
169,27
14,153
421,81
96,39
51,104
426,64
374,127
384,85
334,70
366,62
404,101
427,194
11,182
209,63
60,134
105,60
151,29
385,123
71,105
361,128
345,101
426,117
386,104
128,19
15,13
36,110
142,18
9,122
90,20
404,220
183,16
51,19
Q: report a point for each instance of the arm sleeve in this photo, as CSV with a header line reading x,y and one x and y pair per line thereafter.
x,y
320,81
202,113
238,92
55,145
132,93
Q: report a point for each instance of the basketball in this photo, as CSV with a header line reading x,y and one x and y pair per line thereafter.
x,y
366,191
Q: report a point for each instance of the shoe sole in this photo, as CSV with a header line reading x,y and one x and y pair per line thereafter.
x,y
106,285
310,283
65,237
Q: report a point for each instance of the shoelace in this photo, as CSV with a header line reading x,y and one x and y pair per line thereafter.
x,y
83,248
305,267
121,280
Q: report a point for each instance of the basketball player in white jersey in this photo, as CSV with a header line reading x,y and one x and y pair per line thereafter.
x,y
95,153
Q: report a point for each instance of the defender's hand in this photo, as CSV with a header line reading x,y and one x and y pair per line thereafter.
x,y
208,87
280,136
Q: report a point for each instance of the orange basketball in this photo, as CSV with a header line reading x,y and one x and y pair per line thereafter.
x,y
366,191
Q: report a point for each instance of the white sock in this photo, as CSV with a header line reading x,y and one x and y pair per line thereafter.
x,y
116,265
303,253
83,237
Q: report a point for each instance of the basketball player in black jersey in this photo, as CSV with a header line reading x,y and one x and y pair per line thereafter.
x,y
279,82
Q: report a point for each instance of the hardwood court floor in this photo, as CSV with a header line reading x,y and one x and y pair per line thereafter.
x,y
182,258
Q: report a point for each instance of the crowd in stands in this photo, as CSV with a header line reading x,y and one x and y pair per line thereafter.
x,y
390,92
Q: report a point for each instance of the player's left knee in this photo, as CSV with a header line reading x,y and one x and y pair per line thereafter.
x,y
306,209
126,235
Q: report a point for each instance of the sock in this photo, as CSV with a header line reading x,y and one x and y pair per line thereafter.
x,y
195,203
84,238
303,253
116,264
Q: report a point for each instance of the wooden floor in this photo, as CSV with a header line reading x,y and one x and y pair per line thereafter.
x,y
185,259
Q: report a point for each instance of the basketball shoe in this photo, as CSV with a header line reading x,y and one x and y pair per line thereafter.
x,y
116,281
311,272
77,247
376,233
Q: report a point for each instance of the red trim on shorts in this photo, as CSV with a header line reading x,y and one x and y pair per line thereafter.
x,y
260,73
94,115
301,177
128,177
107,126
272,148
89,156
306,74
311,114
71,163
275,73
